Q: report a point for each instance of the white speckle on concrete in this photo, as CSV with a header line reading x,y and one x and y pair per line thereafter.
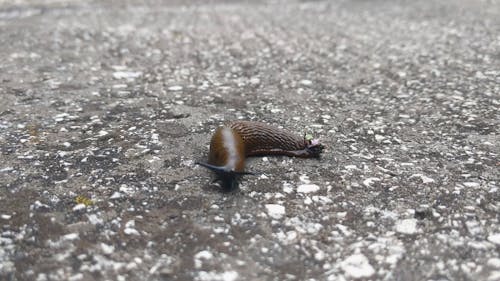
x,y
220,230
131,231
255,81
214,276
37,205
351,167
387,214
102,133
406,226
425,179
275,211
71,236
474,227
5,217
202,255
126,189
369,181
304,179
305,82
79,207
341,215
494,262
130,228
131,265
319,255
344,229
175,88
387,249
307,188
304,227
6,169
291,235
287,188
6,266
93,219
78,276
107,249
129,75
115,195
163,264
130,223
471,184
357,266
308,201
494,238
494,276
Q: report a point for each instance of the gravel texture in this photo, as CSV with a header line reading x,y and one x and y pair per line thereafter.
x,y
105,106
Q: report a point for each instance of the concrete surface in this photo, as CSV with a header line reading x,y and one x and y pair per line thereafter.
x,y
105,106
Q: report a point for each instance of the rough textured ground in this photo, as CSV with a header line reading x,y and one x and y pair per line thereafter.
x,y
105,106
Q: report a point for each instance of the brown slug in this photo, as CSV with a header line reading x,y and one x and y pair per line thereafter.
x,y
232,143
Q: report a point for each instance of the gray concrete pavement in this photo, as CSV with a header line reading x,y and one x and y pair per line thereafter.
x,y
105,106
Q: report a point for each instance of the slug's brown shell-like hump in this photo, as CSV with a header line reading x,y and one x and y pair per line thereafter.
x,y
227,150
260,138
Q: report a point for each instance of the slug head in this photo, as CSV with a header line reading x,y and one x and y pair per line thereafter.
x,y
228,179
313,146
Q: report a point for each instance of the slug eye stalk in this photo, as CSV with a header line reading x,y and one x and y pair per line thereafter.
x,y
313,146
315,149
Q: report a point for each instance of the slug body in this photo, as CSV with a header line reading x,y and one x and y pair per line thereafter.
x,y
232,143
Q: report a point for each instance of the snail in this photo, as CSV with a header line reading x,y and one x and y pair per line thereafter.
x,y
233,142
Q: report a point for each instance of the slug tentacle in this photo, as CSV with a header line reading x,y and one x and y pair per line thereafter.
x,y
222,170
228,178
230,145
